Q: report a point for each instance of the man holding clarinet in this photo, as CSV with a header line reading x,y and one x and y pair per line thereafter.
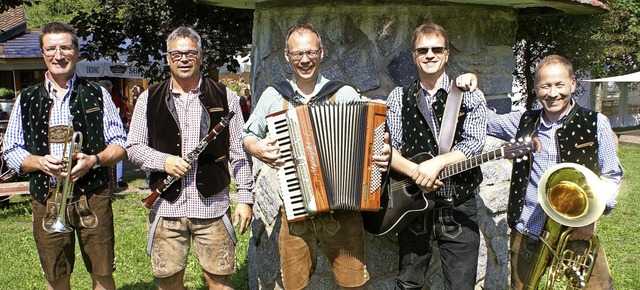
x,y
185,132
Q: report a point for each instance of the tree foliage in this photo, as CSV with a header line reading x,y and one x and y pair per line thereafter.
x,y
600,45
139,29
46,11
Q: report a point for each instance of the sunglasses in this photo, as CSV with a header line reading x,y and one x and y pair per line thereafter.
x,y
437,50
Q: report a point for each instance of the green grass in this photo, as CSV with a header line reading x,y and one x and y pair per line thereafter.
x,y
20,266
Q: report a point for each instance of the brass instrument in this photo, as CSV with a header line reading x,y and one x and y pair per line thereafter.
x,y
62,197
569,195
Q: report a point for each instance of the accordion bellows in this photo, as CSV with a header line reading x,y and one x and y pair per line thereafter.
x,y
328,154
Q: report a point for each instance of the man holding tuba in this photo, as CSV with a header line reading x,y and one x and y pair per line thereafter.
x,y
44,140
576,139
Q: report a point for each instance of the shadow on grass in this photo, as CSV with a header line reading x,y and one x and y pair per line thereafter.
x,y
13,209
139,286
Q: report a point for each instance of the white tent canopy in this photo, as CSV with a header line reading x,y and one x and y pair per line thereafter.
x,y
628,78
106,68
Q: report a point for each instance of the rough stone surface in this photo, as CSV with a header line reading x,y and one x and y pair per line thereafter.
x,y
370,47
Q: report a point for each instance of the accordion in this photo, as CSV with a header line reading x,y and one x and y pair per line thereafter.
x,y
328,154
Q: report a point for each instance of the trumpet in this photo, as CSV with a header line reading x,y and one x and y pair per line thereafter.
x,y
568,194
64,195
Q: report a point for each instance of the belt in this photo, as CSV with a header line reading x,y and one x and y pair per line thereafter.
x,y
450,201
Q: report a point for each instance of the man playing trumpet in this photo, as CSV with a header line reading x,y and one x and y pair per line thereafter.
x,y
37,143
568,134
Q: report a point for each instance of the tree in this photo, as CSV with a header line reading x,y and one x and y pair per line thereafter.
x,y
144,26
46,11
601,45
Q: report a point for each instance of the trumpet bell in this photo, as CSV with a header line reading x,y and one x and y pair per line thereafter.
x,y
569,194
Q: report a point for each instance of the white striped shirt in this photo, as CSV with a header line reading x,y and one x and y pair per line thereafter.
x,y
14,145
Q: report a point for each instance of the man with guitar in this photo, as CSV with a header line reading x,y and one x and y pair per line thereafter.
x,y
590,143
415,114
169,122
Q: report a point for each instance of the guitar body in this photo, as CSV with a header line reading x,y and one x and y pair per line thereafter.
x,y
404,203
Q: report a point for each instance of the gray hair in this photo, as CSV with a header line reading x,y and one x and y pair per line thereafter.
x,y
185,32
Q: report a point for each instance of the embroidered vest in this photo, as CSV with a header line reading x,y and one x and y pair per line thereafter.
x,y
165,136
86,106
577,142
418,138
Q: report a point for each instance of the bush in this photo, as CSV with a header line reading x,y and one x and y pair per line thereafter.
x,y
6,93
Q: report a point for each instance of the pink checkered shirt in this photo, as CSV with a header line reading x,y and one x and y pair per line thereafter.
x,y
190,203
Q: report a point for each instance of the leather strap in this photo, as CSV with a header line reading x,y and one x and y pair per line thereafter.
x,y
449,119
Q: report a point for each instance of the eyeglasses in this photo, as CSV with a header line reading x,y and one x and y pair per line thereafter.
x,y
64,50
297,55
177,55
437,50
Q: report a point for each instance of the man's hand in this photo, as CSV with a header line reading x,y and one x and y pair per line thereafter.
x,y
243,215
84,163
382,161
267,150
51,166
425,174
176,166
583,233
467,82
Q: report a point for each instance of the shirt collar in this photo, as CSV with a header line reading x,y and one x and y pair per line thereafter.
x,y
48,84
544,122
320,82
195,91
444,85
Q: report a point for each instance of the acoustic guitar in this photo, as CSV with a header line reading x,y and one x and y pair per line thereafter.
x,y
405,201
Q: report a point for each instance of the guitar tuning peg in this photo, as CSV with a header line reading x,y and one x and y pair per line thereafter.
x,y
520,139
525,158
527,139
512,140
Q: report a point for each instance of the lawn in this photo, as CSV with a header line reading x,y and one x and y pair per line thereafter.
x,y
618,231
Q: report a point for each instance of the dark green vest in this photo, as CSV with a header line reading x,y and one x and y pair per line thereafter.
x,y
418,138
86,106
577,142
165,136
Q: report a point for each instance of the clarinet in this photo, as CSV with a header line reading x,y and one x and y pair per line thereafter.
x,y
191,157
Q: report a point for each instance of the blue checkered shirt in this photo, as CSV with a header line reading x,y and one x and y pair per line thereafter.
x,y
474,127
533,217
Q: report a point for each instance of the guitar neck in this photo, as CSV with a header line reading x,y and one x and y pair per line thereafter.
x,y
464,165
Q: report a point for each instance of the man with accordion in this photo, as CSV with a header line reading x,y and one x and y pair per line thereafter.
x,y
339,232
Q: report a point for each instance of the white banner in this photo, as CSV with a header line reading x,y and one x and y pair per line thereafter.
x,y
104,68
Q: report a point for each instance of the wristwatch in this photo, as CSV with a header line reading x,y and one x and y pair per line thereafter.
x,y
97,165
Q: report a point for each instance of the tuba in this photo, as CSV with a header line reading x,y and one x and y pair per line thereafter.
x,y
64,187
569,195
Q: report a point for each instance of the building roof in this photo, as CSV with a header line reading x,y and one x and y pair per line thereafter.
x,y
628,78
529,6
12,23
26,45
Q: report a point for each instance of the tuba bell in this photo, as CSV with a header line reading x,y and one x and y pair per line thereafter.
x,y
569,195
64,187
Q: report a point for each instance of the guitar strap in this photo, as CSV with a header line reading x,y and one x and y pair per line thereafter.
x,y
449,119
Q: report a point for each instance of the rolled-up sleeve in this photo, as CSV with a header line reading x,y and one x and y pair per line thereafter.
x,y
137,146
240,160
13,142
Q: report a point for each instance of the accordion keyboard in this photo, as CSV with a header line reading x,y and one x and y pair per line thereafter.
x,y
289,184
